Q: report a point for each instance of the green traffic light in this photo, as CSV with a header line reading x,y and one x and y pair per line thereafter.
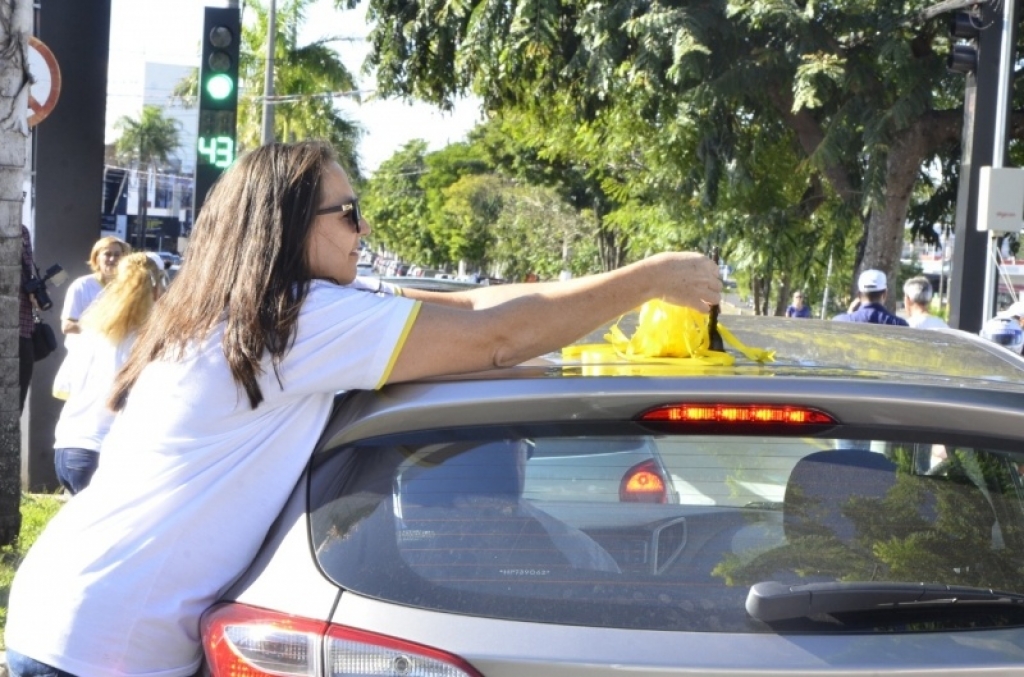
x,y
219,86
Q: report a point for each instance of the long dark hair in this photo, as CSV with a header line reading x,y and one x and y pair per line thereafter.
x,y
246,265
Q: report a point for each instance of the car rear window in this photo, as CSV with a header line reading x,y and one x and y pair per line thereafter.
x,y
666,532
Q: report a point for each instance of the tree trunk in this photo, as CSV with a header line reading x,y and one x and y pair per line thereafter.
x,y
884,236
15,29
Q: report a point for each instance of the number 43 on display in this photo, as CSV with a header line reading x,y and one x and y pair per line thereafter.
x,y
219,151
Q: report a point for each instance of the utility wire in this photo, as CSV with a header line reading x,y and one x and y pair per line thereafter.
x,y
297,98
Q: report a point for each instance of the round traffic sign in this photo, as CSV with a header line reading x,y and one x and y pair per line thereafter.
x,y
45,89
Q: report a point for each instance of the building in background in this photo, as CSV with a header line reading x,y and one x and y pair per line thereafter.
x,y
169,210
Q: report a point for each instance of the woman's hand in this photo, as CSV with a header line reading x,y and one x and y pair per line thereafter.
x,y
687,279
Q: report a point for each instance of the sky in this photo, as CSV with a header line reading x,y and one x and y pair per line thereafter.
x,y
150,30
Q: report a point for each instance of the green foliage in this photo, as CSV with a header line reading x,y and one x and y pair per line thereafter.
x,y
538,232
149,140
654,117
396,206
307,74
36,512
929,529
455,206
814,67
471,205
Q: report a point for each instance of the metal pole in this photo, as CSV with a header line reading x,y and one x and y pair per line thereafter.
x,y
967,281
828,277
1007,49
268,82
1006,54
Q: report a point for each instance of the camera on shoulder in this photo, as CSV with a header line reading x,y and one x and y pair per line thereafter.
x,y
36,285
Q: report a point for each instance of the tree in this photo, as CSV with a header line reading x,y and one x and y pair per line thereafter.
x,y
538,232
307,76
471,207
15,29
547,149
147,143
397,202
859,87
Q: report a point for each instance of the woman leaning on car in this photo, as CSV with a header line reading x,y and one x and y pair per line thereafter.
x,y
226,391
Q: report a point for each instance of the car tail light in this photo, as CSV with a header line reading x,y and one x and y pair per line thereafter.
x,y
244,641
357,652
643,483
738,413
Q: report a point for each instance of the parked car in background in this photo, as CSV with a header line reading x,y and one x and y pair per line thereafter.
x,y
853,508
170,259
395,268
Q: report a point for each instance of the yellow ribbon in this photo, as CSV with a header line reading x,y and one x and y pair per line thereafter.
x,y
667,334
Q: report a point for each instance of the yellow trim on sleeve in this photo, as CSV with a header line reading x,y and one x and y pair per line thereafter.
x,y
401,344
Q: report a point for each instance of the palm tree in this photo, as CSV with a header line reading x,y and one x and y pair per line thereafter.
x,y
306,78
147,143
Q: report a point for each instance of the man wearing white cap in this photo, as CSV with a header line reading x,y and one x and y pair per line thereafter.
x,y
872,287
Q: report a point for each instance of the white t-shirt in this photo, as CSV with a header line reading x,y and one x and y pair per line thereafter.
x,y
926,322
192,478
81,293
87,375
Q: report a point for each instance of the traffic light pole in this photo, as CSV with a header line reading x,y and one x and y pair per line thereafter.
x,y
268,82
218,100
986,110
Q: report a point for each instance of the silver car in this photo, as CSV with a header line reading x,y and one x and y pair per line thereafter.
x,y
853,508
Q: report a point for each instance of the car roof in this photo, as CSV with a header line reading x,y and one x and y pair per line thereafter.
x,y
808,347
936,379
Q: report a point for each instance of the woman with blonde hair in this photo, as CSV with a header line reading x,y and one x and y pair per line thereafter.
x,y
84,290
87,374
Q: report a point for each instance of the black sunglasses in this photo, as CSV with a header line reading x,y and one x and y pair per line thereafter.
x,y
349,208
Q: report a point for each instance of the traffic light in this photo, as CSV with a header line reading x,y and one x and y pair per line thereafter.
x,y
963,56
218,99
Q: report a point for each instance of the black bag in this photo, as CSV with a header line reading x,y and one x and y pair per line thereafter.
x,y
44,341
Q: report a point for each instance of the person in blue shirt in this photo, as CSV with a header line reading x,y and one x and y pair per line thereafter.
x,y
798,308
872,287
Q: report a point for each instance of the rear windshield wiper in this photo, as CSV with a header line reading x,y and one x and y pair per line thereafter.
x,y
771,601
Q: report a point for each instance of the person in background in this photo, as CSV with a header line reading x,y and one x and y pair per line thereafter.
x,y
797,308
872,287
228,387
83,291
26,320
1004,330
85,377
917,296
1016,311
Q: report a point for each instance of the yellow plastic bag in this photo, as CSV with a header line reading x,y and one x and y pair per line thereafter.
x,y
667,333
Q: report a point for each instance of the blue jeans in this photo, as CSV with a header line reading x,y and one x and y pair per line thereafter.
x,y
75,467
19,665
